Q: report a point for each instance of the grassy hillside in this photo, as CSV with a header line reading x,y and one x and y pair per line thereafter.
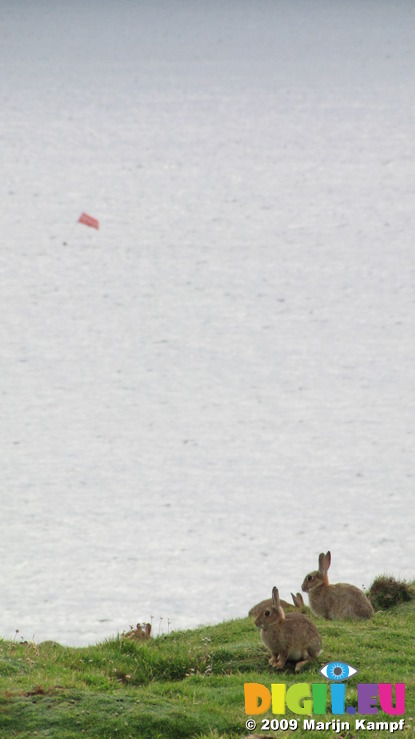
x,y
188,684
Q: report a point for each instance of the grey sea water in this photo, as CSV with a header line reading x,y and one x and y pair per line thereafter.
x,y
218,384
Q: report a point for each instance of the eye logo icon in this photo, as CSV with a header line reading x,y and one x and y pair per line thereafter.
x,y
337,671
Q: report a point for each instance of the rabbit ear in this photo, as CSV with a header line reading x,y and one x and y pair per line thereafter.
x,y
275,597
328,560
300,599
322,564
297,600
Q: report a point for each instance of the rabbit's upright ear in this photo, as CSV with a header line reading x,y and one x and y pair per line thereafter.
x,y
322,569
275,597
295,601
328,560
298,600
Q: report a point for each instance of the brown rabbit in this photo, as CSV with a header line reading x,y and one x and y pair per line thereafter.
x,y
290,637
268,603
139,633
334,601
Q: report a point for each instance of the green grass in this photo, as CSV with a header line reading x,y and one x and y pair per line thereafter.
x,y
190,683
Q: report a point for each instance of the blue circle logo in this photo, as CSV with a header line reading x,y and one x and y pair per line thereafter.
x,y
337,671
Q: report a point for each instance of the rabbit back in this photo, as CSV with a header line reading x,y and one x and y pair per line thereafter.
x,y
340,601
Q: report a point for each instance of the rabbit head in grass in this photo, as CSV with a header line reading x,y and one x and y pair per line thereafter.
x,y
140,633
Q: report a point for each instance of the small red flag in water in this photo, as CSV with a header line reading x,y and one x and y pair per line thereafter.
x,y
88,220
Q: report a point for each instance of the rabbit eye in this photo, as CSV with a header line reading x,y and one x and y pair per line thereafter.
x,y
309,578
267,613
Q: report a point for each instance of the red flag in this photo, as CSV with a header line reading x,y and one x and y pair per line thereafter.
x,y
88,220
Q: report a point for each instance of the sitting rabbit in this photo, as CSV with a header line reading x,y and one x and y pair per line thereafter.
x,y
290,637
334,601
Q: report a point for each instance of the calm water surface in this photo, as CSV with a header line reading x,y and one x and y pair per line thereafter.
x,y
218,384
